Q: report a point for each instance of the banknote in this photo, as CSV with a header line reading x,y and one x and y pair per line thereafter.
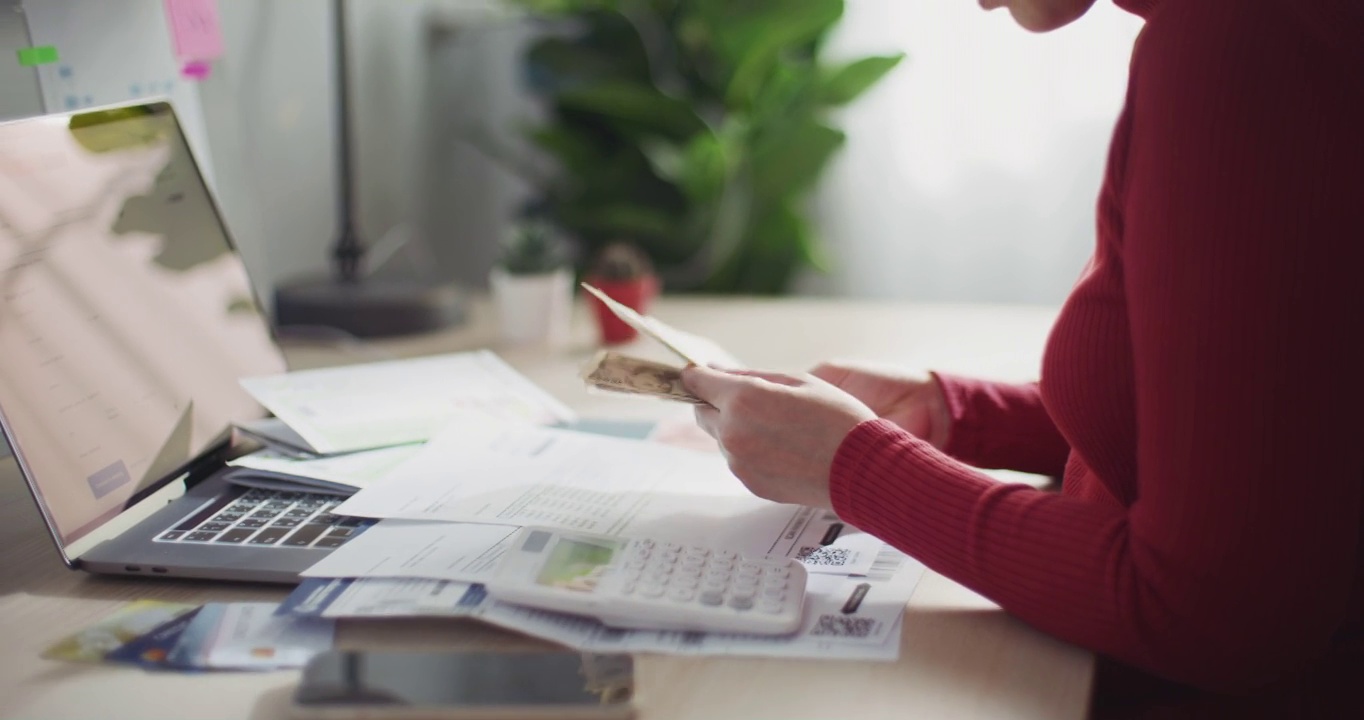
x,y
621,373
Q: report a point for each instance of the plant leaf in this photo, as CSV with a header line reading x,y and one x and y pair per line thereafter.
x,y
789,160
636,107
705,168
753,34
844,84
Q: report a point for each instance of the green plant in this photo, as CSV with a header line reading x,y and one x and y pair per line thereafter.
x,y
532,248
695,128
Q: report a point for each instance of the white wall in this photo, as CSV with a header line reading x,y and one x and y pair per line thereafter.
x,y
268,108
19,94
972,172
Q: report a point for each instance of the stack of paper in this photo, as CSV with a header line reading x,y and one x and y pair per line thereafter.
x,y
448,513
342,429
449,507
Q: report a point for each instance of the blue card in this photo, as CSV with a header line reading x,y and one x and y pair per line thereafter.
x,y
153,649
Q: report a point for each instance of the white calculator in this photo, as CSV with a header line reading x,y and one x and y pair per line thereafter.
x,y
651,584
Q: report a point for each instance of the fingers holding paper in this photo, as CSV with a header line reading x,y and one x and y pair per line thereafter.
x,y
779,432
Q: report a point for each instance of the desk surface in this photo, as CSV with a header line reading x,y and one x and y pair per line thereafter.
x,y
961,656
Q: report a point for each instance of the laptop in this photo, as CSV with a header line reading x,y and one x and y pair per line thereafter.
x,y
126,319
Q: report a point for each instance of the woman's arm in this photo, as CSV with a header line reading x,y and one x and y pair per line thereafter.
x,y
1242,253
1001,425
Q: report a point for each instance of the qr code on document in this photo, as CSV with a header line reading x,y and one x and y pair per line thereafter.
x,y
844,626
825,556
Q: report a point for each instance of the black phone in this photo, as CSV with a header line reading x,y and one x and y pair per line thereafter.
x,y
466,685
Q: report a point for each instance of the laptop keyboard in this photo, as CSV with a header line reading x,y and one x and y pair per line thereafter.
x,y
269,518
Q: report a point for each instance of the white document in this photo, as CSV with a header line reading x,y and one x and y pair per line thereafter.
x,y
350,471
403,598
693,349
518,474
850,618
853,553
462,552
360,407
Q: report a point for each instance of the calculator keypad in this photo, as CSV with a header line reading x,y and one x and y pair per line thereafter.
x,y
713,579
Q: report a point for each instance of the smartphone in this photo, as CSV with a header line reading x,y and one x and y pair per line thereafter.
x,y
472,685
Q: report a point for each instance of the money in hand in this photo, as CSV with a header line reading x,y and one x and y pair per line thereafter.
x,y
621,373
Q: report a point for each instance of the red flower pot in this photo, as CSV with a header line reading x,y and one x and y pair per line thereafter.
x,y
636,294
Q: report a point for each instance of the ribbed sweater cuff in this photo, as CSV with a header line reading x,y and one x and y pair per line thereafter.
x,y
855,458
963,438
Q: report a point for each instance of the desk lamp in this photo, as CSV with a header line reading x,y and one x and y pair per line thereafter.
x,y
350,300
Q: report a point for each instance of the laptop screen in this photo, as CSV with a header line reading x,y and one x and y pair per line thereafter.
x,y
126,316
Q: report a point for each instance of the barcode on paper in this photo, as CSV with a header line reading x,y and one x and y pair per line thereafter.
x,y
844,626
826,556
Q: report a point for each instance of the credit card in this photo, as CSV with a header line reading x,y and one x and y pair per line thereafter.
x,y
127,623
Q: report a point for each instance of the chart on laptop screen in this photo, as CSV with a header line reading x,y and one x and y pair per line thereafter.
x,y
125,316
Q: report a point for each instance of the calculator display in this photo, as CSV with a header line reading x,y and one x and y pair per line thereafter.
x,y
577,565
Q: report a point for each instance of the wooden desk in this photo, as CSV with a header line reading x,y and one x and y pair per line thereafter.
x,y
961,656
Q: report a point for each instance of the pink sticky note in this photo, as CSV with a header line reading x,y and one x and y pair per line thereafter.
x,y
196,70
195,29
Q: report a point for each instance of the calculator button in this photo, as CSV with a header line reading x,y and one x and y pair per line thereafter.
x,y
746,580
719,586
774,593
692,563
774,584
744,592
627,588
681,594
656,577
726,554
646,544
633,574
686,571
651,590
685,581
769,605
712,597
779,571
738,602
635,564
724,565
695,551
750,567
672,547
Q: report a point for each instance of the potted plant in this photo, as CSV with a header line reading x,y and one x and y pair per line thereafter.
x,y
532,285
625,274
696,128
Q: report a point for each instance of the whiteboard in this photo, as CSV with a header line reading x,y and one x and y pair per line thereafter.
x,y
111,53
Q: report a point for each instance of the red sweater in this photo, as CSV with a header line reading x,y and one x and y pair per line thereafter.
x,y
1202,392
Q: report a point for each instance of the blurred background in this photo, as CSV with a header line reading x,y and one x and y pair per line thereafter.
x,y
909,149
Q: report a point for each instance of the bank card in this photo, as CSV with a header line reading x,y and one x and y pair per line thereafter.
x,y
250,636
125,624
152,650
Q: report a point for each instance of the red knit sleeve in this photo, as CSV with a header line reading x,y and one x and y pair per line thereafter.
x,y
1000,425
1241,235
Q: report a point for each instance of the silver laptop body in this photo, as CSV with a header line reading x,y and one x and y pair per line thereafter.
x,y
126,319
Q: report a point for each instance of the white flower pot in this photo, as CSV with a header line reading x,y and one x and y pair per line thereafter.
x,y
533,309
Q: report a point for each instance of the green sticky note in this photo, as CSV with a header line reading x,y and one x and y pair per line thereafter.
x,y
41,55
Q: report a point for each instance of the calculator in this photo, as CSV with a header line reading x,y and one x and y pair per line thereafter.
x,y
643,583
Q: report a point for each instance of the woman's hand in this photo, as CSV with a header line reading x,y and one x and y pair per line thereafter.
x,y
914,402
779,432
